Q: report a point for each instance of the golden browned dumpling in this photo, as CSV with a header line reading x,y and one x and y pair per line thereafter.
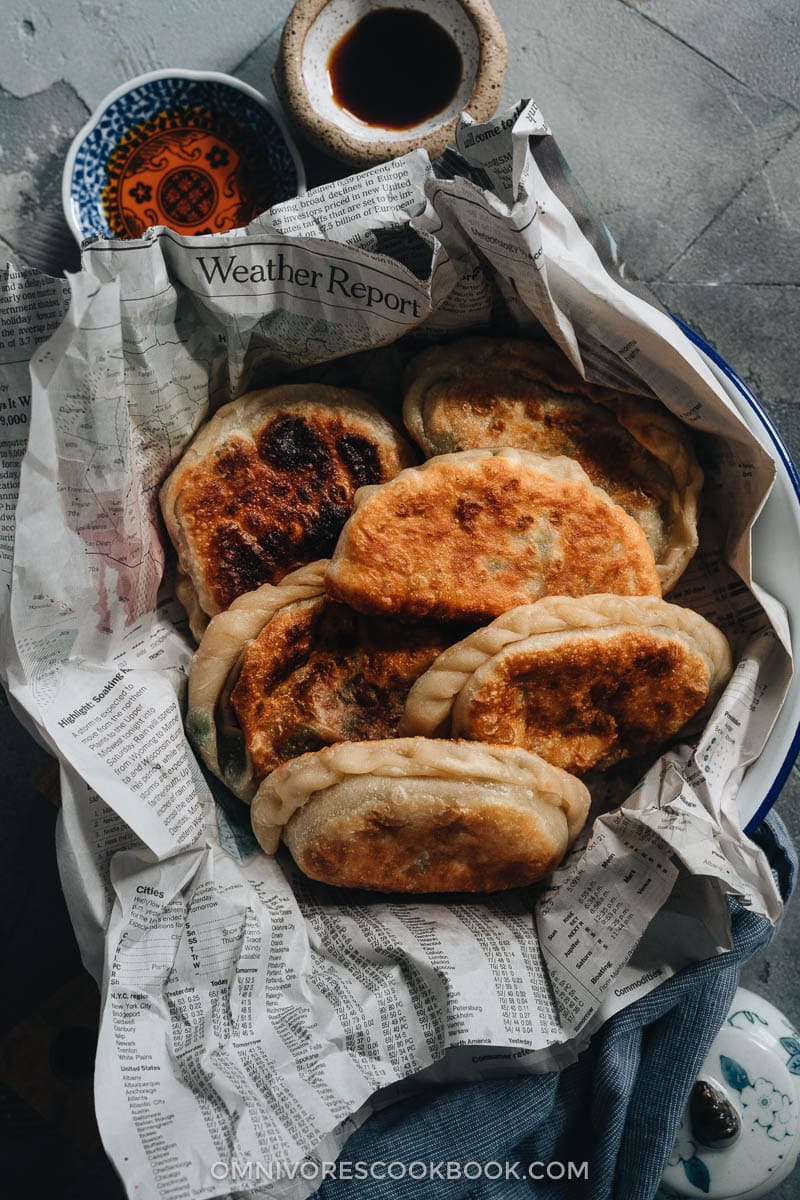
x,y
211,723
273,680
487,392
583,682
320,672
468,536
417,815
267,484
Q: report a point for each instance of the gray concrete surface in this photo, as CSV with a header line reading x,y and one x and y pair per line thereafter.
x,y
680,119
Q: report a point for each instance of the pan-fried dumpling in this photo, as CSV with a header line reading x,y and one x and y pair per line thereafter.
x,y
468,536
583,682
287,670
211,725
485,392
417,815
267,484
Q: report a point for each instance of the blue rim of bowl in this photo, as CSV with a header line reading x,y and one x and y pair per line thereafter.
x,y
217,77
794,478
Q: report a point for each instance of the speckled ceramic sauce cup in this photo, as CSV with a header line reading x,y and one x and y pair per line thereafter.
x,y
410,50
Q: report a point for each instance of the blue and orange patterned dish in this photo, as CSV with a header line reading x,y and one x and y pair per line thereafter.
x,y
199,152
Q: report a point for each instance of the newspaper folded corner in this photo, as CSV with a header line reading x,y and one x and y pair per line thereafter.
x,y
250,1015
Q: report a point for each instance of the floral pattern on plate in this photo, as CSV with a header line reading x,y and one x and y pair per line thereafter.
x,y
196,154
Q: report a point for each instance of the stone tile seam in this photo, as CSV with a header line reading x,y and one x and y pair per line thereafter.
x,y
256,50
6,91
783,142
633,7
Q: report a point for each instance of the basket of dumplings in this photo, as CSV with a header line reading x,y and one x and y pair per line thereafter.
x,y
419,651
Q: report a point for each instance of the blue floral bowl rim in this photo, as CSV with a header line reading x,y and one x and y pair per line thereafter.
x,y
137,81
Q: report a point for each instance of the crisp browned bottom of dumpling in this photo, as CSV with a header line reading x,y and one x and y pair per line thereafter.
x,y
417,815
286,670
481,392
267,484
583,682
211,724
586,703
468,536
319,672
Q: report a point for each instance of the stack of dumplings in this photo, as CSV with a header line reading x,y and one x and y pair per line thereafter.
x,y
406,667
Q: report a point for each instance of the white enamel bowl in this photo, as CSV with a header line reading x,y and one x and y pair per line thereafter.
x,y
776,554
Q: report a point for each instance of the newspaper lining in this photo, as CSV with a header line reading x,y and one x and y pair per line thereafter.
x,y
250,1015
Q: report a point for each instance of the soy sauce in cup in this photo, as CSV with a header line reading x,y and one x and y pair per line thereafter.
x,y
394,69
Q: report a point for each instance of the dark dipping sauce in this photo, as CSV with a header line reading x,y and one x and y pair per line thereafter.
x,y
394,69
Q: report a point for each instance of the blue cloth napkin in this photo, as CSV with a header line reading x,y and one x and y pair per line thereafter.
x,y
617,1108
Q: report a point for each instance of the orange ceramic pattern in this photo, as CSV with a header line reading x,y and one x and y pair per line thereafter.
x,y
191,169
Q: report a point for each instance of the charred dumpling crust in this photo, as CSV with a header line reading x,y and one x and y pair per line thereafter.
x,y
319,673
267,484
467,536
287,670
583,682
484,392
217,739
418,815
